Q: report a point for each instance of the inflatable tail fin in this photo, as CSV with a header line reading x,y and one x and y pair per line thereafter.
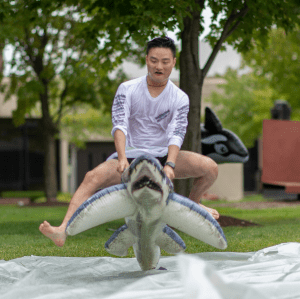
x,y
170,241
120,241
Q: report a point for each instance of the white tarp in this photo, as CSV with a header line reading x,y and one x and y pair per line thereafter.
x,y
273,272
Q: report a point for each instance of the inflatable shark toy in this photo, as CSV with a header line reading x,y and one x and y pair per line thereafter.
x,y
146,200
221,145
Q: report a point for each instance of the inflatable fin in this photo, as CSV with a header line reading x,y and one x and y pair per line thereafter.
x,y
190,218
120,241
106,205
170,241
212,122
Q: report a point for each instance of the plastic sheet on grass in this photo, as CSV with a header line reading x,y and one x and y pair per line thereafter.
x,y
273,272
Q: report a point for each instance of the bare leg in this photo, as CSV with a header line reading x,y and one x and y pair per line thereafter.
x,y
102,176
204,171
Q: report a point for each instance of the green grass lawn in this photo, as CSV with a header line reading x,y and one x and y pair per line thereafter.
x,y
35,196
19,234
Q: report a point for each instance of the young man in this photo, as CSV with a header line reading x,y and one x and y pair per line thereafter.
x,y
149,115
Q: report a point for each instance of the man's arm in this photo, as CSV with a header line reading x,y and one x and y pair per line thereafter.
x,y
176,132
173,151
120,143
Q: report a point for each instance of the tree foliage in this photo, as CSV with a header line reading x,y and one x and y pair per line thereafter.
x,y
55,68
122,27
49,64
246,100
78,127
243,104
86,123
234,22
278,62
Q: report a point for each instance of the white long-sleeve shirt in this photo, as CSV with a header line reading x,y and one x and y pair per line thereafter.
x,y
149,124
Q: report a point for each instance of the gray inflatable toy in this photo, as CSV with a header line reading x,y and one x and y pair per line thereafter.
x,y
148,203
221,145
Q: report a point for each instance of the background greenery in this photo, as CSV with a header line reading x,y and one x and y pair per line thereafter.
x,y
272,73
64,53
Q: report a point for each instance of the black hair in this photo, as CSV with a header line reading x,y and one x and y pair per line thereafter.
x,y
162,42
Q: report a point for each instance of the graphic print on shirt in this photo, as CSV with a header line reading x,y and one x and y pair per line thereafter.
x,y
162,116
118,110
181,119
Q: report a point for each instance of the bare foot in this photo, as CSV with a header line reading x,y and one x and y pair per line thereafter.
x,y
56,234
213,212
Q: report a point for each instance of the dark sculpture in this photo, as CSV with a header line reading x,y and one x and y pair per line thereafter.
x,y
222,145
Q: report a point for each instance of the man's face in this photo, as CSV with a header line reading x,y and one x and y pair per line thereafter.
x,y
160,62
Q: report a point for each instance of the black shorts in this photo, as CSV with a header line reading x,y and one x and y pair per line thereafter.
x,y
162,160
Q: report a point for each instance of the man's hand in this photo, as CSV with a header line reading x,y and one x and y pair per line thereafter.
x,y
122,165
169,171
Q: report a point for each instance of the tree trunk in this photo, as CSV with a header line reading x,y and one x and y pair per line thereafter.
x,y
191,82
50,131
1,60
192,76
50,167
